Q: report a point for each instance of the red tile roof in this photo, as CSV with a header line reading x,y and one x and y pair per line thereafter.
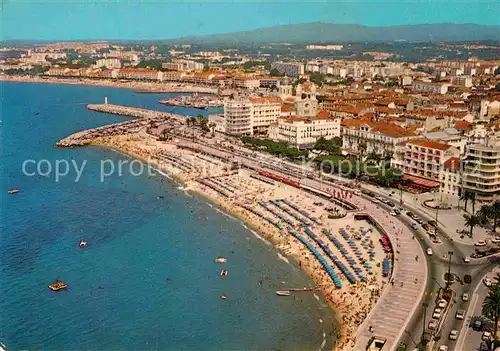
x,y
428,144
452,162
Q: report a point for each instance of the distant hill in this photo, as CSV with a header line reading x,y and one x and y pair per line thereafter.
x,y
319,32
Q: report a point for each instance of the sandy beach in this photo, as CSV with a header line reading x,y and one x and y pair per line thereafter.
x,y
238,193
114,83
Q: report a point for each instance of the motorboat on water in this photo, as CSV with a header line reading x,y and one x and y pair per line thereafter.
x,y
224,297
58,285
283,293
220,260
3,347
223,273
83,243
13,191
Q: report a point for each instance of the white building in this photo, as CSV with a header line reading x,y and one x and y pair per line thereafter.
x,y
183,65
248,116
451,181
303,132
325,47
436,88
481,170
111,63
422,161
289,68
366,136
246,82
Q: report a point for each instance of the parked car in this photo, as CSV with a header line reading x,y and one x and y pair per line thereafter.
x,y
442,303
496,240
436,315
465,296
486,336
443,348
414,226
467,279
410,214
487,282
460,314
429,251
467,259
480,243
432,222
453,335
477,325
433,324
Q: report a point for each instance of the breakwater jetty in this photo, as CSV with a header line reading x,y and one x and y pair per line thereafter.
x,y
143,119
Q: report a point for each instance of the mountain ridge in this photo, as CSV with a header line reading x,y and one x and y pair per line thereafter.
x,y
323,32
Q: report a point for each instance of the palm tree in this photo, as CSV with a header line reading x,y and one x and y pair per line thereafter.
x,y
466,196
403,183
473,200
471,221
486,212
192,121
491,307
212,126
496,214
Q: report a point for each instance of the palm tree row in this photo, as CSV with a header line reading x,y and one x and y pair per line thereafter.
x,y
491,305
469,196
202,122
492,211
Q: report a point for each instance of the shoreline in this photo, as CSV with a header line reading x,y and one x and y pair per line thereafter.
x,y
139,87
348,304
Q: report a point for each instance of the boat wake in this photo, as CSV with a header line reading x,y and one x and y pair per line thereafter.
x,y
324,341
316,297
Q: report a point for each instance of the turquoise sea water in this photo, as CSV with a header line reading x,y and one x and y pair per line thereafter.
x,y
147,279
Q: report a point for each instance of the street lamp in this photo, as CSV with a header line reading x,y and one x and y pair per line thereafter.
x,y
450,253
424,305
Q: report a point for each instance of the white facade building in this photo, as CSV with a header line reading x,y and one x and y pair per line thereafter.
x,y
289,68
436,88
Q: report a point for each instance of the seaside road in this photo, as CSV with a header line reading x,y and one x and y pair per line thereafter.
x,y
399,300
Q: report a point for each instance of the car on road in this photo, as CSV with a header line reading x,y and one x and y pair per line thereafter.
x,y
466,259
442,303
453,335
429,251
487,282
414,226
443,348
480,243
468,279
460,314
465,296
486,336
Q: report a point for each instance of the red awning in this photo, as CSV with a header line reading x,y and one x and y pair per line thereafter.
x,y
421,181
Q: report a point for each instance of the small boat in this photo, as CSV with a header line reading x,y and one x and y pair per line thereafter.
x,y
83,243
57,286
160,197
220,260
283,293
223,297
13,191
223,273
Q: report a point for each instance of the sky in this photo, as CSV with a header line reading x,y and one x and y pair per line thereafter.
x,y
133,19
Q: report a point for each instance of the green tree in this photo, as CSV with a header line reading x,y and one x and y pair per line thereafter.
x,y
491,307
471,221
466,197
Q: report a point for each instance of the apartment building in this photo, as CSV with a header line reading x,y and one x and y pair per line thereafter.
x,y
451,180
248,116
249,83
367,136
436,88
422,161
111,63
140,73
293,69
481,170
303,132
465,81
182,65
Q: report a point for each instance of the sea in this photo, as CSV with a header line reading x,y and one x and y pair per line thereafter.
x,y
147,279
